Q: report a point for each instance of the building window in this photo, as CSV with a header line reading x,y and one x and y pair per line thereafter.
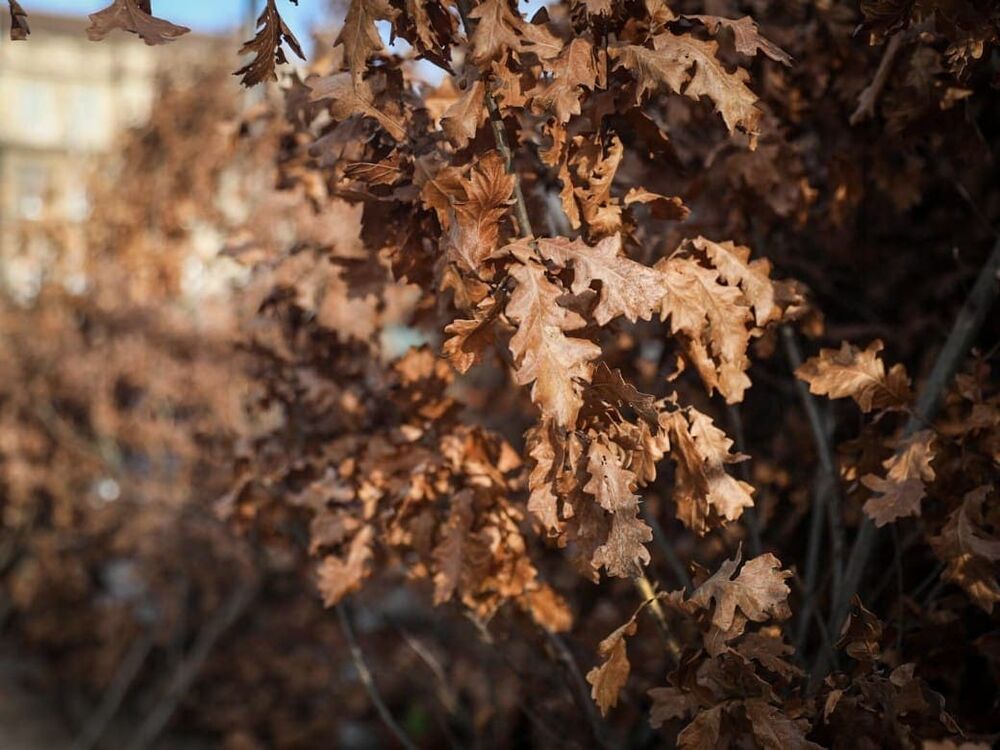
x,y
37,112
30,191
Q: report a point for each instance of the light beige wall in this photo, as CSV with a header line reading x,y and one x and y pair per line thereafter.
x,y
63,101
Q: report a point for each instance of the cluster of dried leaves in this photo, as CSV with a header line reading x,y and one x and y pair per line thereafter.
x,y
495,325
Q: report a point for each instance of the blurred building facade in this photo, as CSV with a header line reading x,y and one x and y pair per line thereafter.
x,y
63,101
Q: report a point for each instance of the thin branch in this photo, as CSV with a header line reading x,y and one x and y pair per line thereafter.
x,y
571,679
808,586
673,561
750,517
649,595
364,673
582,695
868,98
115,693
897,564
826,503
826,639
190,667
500,135
970,319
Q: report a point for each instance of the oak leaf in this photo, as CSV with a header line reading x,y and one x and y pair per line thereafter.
x,y
339,577
608,679
851,372
624,553
712,318
475,225
543,354
594,165
774,729
903,486
135,17
611,387
758,593
670,703
463,118
705,493
969,552
499,29
746,36
266,47
628,288
542,500
348,98
469,338
19,29
449,554
703,733
660,207
360,36
752,277
573,69
689,66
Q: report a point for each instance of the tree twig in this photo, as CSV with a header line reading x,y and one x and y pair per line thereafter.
x,y
189,668
649,594
581,693
500,135
970,319
868,98
673,561
826,500
365,675
750,517
115,693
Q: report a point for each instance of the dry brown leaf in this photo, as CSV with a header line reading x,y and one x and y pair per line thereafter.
x,y
628,288
903,487
850,372
736,269
705,494
624,553
543,354
463,118
266,47
542,501
450,553
594,165
348,98
746,36
339,577
758,593
608,679
475,226
670,703
469,338
689,66
359,34
19,29
774,729
660,207
573,69
703,733
130,16
969,552
499,29
713,319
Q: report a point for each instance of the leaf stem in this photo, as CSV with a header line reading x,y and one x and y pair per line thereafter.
x,y
500,135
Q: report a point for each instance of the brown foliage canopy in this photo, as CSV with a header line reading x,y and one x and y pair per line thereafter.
x,y
506,345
